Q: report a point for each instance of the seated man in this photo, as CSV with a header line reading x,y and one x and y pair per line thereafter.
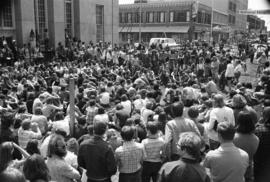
x,y
188,167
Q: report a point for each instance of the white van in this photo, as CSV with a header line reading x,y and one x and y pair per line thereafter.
x,y
166,42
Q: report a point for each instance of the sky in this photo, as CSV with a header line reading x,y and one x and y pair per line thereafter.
x,y
252,4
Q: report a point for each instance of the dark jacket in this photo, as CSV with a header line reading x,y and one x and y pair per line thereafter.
x,y
97,157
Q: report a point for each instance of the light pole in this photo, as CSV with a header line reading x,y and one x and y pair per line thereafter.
x,y
140,23
212,17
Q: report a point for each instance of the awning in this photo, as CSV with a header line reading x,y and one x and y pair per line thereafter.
x,y
176,29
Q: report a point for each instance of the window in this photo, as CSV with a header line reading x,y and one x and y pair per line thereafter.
x,y
40,18
231,19
68,17
188,16
180,17
149,17
160,17
136,17
120,18
129,17
100,23
6,16
171,16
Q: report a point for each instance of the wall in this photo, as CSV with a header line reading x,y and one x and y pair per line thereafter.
x,y
24,20
85,19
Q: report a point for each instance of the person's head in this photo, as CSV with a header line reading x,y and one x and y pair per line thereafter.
x,y
92,103
177,109
152,128
101,110
190,144
73,145
6,151
193,112
7,120
239,101
26,124
225,132
35,168
38,111
124,98
59,116
127,133
32,147
12,175
57,146
266,116
100,128
90,130
245,123
219,101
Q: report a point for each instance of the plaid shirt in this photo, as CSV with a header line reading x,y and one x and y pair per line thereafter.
x,y
91,113
129,157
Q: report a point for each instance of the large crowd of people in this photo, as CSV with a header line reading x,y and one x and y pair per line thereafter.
x,y
141,113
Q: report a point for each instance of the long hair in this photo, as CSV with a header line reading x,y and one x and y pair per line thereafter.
x,y
35,168
6,157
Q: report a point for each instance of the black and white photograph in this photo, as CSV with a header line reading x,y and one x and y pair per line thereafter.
x,y
134,91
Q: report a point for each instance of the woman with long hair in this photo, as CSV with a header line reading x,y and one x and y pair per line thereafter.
x,y
6,157
35,169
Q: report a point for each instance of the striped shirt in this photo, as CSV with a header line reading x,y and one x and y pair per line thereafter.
x,y
25,135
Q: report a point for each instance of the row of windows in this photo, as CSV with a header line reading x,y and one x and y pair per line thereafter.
x,y
160,17
6,17
68,17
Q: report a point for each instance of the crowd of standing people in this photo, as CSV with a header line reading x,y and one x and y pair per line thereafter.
x,y
142,113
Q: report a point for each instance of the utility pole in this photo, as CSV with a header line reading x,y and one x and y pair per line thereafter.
x,y
112,23
140,23
212,17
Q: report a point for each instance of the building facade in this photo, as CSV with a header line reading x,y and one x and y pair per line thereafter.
x,y
164,19
226,20
256,25
56,20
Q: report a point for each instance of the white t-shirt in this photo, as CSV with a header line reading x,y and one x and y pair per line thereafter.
x,y
220,115
105,98
229,70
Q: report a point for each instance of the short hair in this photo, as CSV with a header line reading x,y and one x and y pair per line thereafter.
x,y
219,100
124,97
177,109
100,127
245,123
32,147
38,111
101,110
152,127
12,175
127,133
226,130
92,102
26,124
35,168
191,143
54,148
193,112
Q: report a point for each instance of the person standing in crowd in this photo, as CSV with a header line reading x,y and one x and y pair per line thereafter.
x,y
188,167
219,113
96,156
59,169
129,157
174,128
262,158
227,163
246,140
154,147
